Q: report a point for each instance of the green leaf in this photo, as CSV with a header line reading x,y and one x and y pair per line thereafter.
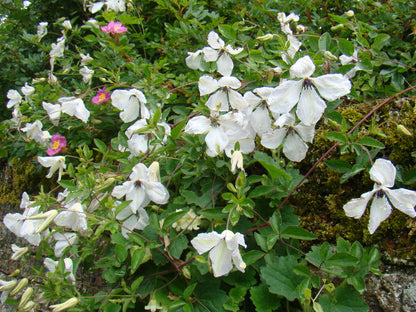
x,y
101,146
111,307
263,300
276,221
256,56
136,283
227,31
281,278
137,256
252,256
213,213
172,218
367,141
380,41
302,270
345,46
363,42
178,245
357,282
342,259
271,165
324,42
297,233
261,190
68,185
344,300
338,165
337,136
177,130
121,252
189,290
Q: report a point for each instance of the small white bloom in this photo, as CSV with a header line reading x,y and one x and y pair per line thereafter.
x,y
53,111
153,304
190,221
42,30
131,102
218,51
193,60
132,220
85,59
74,107
353,59
14,98
74,218
383,173
34,132
57,48
294,137
223,250
55,163
93,22
237,161
63,240
27,91
285,21
86,74
310,106
67,24
51,265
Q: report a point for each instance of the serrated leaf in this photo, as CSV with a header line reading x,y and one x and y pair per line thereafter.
x,y
338,165
276,221
342,259
357,282
261,190
345,46
281,278
302,270
121,252
263,300
252,256
137,256
345,299
367,141
297,233
380,41
68,185
227,31
271,165
178,245
337,136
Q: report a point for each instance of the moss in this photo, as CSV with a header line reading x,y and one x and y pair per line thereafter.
x,y
320,202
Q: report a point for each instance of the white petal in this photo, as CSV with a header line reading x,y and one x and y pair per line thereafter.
x,y
404,200
233,240
220,257
53,111
237,101
355,207
380,210
238,261
332,86
260,120
157,192
294,147
303,68
217,140
225,65
229,81
215,41
310,107
233,51
137,127
131,109
121,190
263,92
272,139
207,85
50,264
193,60
210,54
205,241
285,96
294,45
383,172
138,144
198,125
306,132
218,101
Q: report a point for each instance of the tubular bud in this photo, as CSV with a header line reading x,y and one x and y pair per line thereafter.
x,y
65,305
22,284
26,296
7,285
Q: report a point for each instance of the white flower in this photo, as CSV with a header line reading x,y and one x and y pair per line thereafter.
x,y
20,225
142,187
53,111
383,173
153,304
294,137
63,240
86,74
114,5
141,137
132,220
131,103
353,59
27,91
14,98
42,30
34,132
223,250
74,217
285,21
237,161
18,252
193,60
51,265
57,48
225,97
190,221
67,24
55,163
74,107
85,59
310,106
218,51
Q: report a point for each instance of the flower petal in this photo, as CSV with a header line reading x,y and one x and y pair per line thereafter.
x,y
310,107
285,96
383,172
355,207
220,257
332,86
380,210
215,41
303,68
218,101
294,147
207,85
403,199
198,125
205,241
225,65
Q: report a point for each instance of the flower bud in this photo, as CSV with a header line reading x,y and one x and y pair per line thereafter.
x,y
301,29
337,27
14,273
65,305
328,55
26,296
349,13
29,306
154,172
50,215
22,284
7,285
265,37
236,161
404,130
18,252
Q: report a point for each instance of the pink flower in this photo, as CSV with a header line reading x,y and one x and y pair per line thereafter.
x,y
58,143
101,97
114,28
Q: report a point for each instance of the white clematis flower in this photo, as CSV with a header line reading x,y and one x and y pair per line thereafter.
x,y
14,98
42,30
353,59
63,240
131,103
74,107
57,48
223,250
294,137
34,132
53,111
132,220
143,186
86,74
55,163
51,265
218,51
85,59
27,91
383,173
193,60
310,106
225,97
74,218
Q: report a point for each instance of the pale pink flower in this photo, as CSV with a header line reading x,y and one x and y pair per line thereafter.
x,y
58,143
114,28
102,96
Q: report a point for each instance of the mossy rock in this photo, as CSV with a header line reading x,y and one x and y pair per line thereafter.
x,y
319,203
